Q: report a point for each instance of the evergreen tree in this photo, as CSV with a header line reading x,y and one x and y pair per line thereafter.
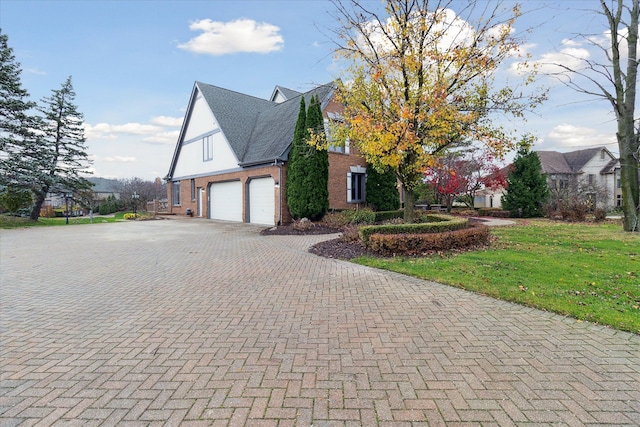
x,y
308,168
382,190
317,167
62,154
527,189
295,167
17,124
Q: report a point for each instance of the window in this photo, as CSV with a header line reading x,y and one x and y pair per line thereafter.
x,y
554,182
619,200
619,183
207,148
193,189
564,183
356,187
602,155
592,178
176,193
329,128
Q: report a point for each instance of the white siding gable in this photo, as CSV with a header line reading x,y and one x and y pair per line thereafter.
x,y
193,158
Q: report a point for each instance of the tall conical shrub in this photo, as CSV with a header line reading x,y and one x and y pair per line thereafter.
x,y
308,169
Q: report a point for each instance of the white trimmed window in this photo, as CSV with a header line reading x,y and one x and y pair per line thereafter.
x,y
207,148
176,193
356,183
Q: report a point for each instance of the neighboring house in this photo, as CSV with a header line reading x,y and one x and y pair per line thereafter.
x,y
102,188
593,171
492,197
230,160
489,198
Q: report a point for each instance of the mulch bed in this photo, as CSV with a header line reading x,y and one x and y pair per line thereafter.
x,y
335,248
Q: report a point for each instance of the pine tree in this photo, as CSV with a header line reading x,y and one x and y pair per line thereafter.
x,y
62,154
382,190
527,189
295,172
317,167
17,124
308,167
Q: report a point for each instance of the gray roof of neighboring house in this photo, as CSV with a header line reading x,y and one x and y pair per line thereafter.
x,y
553,162
259,131
572,162
103,185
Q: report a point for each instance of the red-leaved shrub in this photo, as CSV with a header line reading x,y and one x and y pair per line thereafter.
x,y
419,244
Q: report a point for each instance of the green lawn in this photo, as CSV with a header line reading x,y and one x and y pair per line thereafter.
x,y
7,221
587,271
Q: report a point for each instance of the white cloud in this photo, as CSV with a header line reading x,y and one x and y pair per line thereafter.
x,y
567,136
35,71
167,121
241,35
120,159
572,56
156,132
168,137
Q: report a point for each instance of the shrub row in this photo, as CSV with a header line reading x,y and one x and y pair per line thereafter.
x,y
494,212
387,215
437,224
418,244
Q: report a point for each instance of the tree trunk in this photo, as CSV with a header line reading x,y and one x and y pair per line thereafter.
x,y
39,197
409,201
630,190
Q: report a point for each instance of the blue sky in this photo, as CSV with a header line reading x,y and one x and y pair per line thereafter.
x,y
134,63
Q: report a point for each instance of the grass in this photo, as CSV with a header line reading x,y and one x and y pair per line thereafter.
x,y
7,221
587,271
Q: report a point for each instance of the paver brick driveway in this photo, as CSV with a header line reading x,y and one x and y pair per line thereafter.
x,y
204,323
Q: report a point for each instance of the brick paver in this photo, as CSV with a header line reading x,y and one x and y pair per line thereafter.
x,y
201,323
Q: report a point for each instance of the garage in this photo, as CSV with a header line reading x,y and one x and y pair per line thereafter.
x,y
225,201
262,201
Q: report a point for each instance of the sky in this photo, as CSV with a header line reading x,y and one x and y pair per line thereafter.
x,y
134,63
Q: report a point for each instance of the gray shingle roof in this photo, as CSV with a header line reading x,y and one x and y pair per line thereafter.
x,y
568,163
258,131
235,112
273,132
553,162
577,159
287,93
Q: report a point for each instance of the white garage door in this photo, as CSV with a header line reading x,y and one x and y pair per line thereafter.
x,y
226,201
262,201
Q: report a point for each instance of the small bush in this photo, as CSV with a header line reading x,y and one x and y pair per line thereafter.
x,y
350,234
47,212
438,224
303,224
419,244
573,211
387,215
600,215
500,214
129,216
362,216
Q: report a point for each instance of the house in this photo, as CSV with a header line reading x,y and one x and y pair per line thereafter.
x,y
491,195
593,171
230,160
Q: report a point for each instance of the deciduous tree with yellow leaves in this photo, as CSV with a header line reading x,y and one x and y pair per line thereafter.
x,y
421,80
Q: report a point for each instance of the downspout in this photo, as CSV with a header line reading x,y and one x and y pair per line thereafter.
x,y
279,165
